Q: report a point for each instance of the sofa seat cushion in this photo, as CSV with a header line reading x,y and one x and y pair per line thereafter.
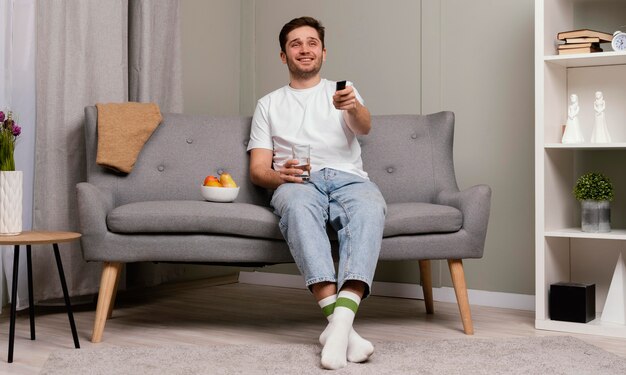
x,y
249,220
420,218
241,219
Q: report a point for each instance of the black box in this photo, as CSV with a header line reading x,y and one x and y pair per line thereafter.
x,y
572,302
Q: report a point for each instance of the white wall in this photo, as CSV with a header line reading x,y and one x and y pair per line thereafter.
x,y
487,75
211,44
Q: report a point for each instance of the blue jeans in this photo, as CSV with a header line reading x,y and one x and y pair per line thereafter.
x,y
352,205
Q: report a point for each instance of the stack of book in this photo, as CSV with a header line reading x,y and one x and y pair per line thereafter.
x,y
581,41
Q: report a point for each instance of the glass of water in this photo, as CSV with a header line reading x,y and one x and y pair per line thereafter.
x,y
302,153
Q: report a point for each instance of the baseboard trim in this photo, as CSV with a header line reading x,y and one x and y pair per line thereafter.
x,y
403,290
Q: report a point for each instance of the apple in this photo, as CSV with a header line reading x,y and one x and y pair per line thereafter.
x,y
212,181
207,179
227,180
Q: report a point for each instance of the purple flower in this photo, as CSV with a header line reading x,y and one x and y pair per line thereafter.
x,y
1,116
16,130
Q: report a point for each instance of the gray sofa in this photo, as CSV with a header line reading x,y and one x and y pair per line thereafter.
x,y
156,213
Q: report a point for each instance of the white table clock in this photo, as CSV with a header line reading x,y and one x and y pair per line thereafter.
x,y
619,41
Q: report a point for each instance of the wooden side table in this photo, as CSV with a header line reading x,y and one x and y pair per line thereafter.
x,y
37,238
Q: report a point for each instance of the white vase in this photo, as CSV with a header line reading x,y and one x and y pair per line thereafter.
x,y
10,203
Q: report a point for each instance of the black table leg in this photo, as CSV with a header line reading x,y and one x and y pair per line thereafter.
x,y
16,263
68,306
31,304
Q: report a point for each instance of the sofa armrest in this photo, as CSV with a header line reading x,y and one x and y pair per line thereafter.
x,y
94,204
475,204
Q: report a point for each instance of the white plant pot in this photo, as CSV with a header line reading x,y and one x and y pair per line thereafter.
x,y
11,202
595,216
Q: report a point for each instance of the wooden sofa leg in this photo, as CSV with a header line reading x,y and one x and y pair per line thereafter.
x,y
460,289
114,295
427,285
110,272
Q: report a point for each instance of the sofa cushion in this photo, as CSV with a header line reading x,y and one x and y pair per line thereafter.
x,y
241,219
416,218
251,220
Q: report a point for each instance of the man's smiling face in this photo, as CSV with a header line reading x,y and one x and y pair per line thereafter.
x,y
304,53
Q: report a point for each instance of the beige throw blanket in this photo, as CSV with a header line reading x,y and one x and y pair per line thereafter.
x,y
123,128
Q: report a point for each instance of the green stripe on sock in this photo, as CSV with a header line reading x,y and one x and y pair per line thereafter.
x,y
328,310
347,303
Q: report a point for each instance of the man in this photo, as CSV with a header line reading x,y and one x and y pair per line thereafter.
x,y
339,193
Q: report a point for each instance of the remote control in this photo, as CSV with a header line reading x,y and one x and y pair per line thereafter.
x,y
341,85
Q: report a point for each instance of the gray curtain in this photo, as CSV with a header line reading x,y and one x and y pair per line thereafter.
x,y
154,54
88,52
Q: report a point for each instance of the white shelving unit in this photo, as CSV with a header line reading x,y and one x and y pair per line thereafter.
x,y
563,252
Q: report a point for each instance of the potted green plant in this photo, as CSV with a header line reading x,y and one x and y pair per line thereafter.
x,y
595,192
11,181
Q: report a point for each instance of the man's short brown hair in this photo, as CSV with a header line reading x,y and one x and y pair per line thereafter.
x,y
296,23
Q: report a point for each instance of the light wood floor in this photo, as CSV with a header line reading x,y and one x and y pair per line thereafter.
x,y
202,313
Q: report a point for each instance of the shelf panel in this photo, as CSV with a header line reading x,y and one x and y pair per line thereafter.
x,y
614,234
561,251
594,327
587,59
588,146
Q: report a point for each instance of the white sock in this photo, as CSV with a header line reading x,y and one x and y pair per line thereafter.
x,y
359,349
334,353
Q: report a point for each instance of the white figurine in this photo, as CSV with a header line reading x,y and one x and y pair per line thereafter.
x,y
572,132
600,131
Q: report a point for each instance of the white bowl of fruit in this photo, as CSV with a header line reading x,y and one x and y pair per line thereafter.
x,y
222,189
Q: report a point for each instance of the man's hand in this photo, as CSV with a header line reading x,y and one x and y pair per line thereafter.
x,y
262,174
288,173
357,117
345,99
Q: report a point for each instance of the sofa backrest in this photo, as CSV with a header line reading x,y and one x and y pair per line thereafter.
x,y
408,156
173,163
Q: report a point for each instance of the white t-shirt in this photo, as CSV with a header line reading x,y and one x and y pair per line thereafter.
x,y
290,116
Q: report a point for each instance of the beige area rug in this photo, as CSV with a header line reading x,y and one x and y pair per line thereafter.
x,y
532,355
